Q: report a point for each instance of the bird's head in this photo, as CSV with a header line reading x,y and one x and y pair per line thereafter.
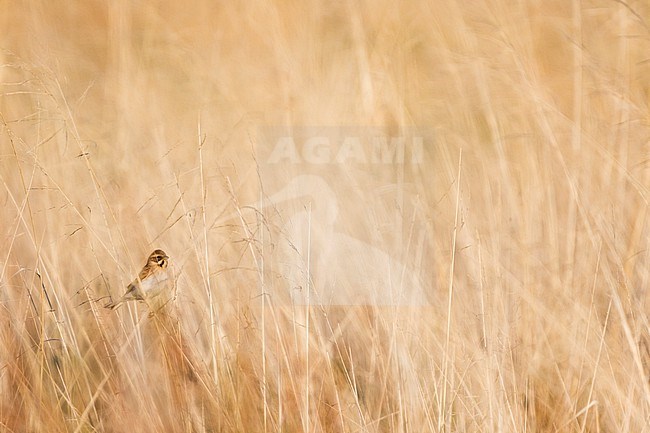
x,y
158,258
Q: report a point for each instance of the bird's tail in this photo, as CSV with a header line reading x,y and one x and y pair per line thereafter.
x,y
113,305
132,292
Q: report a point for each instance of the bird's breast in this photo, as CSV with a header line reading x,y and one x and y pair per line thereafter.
x,y
154,282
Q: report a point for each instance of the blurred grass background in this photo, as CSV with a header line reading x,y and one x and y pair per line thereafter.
x,y
129,126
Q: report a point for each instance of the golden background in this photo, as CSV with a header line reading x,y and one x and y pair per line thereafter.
x,y
128,126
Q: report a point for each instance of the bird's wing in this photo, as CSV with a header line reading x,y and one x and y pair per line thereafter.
x,y
144,273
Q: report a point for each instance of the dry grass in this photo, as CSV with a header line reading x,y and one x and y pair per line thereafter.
x,y
128,126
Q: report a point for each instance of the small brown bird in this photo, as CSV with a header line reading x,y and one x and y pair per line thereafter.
x,y
151,281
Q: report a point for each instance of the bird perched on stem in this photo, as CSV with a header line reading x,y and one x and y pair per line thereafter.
x,y
152,280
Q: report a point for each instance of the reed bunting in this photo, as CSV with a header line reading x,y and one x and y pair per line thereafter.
x,y
152,280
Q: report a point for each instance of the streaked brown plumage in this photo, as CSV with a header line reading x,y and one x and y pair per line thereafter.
x,y
152,279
